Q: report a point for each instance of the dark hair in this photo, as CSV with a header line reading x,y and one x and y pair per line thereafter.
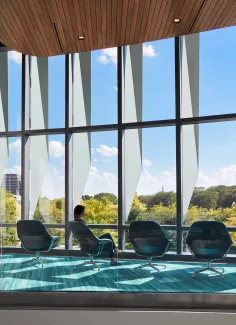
x,y
79,209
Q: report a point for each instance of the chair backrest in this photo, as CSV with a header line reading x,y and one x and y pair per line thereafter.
x,y
148,238
208,239
87,240
33,235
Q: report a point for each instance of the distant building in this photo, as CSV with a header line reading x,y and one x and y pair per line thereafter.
x,y
12,183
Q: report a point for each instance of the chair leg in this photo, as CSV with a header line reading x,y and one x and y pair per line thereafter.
x,y
209,267
149,264
140,266
91,261
35,258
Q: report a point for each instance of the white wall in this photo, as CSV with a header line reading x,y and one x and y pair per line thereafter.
x,y
101,317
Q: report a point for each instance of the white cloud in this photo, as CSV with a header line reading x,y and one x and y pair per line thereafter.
x,y
147,183
15,146
53,184
108,56
227,175
167,174
93,169
15,56
101,182
107,151
14,170
149,51
203,180
103,59
116,89
56,149
106,160
147,162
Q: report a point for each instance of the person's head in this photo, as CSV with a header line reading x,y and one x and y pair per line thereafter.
x,y
79,212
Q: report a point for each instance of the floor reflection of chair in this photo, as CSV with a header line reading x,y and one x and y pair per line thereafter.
x,y
149,241
35,239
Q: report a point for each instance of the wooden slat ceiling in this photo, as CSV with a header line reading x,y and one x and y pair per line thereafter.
x,y
52,27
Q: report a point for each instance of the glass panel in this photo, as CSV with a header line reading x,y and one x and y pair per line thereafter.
x,y
94,88
10,180
217,71
61,234
56,90
150,175
95,175
159,80
149,81
95,187
9,237
233,247
185,246
47,178
14,90
104,86
47,92
213,193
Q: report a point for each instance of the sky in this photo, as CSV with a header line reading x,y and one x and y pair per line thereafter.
x,y
217,141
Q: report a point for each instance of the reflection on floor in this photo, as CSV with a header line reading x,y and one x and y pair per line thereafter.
x,y
58,275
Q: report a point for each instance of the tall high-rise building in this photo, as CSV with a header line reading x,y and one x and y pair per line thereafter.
x,y
12,183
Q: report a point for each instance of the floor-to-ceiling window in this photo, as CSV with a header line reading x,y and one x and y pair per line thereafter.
x,y
144,132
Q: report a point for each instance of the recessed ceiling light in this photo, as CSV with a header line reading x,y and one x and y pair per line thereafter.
x,y
81,37
176,20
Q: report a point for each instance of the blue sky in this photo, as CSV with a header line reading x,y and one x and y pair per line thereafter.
x,y
217,162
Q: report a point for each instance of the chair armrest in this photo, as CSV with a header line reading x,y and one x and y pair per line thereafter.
x,y
54,242
102,243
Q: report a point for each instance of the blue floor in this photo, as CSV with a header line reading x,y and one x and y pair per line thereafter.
x,y
58,275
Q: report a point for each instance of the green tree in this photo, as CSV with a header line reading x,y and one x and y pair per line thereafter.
x,y
205,199
137,208
164,215
86,197
225,195
164,198
110,196
10,211
145,199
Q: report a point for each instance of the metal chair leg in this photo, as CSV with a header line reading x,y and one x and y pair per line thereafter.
x,y
93,262
150,264
155,268
209,267
140,266
36,258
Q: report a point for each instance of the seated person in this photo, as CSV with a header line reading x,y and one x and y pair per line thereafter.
x,y
79,212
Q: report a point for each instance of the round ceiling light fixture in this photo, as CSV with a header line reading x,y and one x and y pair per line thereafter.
x,y
176,20
81,38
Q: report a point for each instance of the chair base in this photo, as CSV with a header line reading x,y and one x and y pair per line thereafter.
x,y
209,267
36,258
149,264
91,262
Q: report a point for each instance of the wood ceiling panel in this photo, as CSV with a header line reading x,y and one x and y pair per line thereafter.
x,y
52,27
141,16
87,28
